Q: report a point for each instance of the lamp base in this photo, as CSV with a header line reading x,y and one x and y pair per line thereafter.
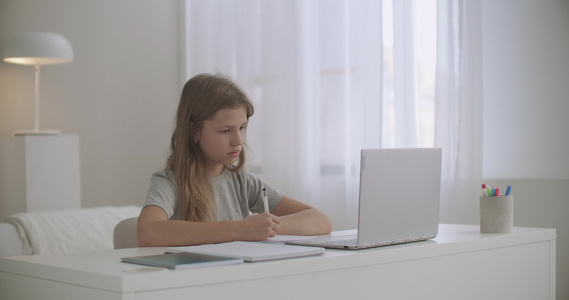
x,y
36,132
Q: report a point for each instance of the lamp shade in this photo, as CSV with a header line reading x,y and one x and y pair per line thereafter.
x,y
38,48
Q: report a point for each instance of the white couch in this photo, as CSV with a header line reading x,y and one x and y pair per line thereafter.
x,y
89,229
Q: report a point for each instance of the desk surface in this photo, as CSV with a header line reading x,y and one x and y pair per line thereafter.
x,y
103,270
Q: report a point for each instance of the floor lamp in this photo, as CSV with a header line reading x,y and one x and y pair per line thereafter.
x,y
35,49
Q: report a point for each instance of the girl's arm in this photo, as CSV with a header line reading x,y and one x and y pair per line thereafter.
x,y
155,230
298,218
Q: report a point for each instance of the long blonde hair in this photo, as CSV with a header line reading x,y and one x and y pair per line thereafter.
x,y
202,96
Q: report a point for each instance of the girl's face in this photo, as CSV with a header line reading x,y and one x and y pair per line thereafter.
x,y
221,138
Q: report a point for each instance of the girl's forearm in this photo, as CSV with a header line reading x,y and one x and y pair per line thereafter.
x,y
306,222
161,233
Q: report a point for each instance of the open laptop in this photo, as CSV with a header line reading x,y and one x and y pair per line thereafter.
x,y
399,199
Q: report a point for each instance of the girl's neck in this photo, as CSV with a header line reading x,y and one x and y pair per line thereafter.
x,y
215,171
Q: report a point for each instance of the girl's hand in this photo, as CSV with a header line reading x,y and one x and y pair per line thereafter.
x,y
258,227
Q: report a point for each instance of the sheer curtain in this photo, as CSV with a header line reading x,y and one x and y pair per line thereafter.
x,y
459,95
329,78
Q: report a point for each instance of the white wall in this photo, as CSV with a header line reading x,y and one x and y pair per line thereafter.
x,y
526,104
526,88
119,94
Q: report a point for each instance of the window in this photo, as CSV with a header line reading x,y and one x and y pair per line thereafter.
x,y
328,78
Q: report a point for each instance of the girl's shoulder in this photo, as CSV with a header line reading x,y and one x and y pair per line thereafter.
x,y
164,173
163,177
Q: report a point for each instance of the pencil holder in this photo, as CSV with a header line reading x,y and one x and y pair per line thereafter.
x,y
496,214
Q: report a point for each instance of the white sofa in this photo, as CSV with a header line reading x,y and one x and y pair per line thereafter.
x,y
89,229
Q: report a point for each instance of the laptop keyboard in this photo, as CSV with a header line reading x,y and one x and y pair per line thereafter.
x,y
346,242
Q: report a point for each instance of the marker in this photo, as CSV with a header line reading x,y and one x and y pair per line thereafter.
x,y
497,192
508,190
484,191
492,191
265,200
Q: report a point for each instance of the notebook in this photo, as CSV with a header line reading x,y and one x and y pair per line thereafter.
x,y
251,251
399,199
183,260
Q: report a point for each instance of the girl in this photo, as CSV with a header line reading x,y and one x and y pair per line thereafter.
x,y
204,195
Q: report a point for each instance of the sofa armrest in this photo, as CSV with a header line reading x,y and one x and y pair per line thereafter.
x,y
10,242
65,231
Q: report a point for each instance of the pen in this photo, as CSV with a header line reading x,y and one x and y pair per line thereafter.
x,y
265,200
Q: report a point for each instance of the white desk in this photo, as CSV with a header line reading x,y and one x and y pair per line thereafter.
x,y
460,263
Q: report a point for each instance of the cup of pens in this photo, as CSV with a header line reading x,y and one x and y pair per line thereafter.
x,y
496,210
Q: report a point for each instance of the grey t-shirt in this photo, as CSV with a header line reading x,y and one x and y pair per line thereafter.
x,y
236,194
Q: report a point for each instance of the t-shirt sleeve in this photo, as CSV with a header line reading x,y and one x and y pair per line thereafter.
x,y
256,196
162,193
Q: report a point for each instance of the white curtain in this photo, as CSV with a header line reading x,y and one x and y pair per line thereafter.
x,y
329,78
459,110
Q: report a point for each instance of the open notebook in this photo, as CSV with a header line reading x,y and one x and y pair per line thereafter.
x,y
251,251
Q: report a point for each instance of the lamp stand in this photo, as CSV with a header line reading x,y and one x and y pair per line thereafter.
x,y
36,130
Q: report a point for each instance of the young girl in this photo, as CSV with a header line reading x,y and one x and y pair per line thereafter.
x,y
204,195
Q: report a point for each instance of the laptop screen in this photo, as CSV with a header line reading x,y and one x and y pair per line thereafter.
x,y
399,194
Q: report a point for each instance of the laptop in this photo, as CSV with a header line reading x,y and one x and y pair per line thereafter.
x,y
399,200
